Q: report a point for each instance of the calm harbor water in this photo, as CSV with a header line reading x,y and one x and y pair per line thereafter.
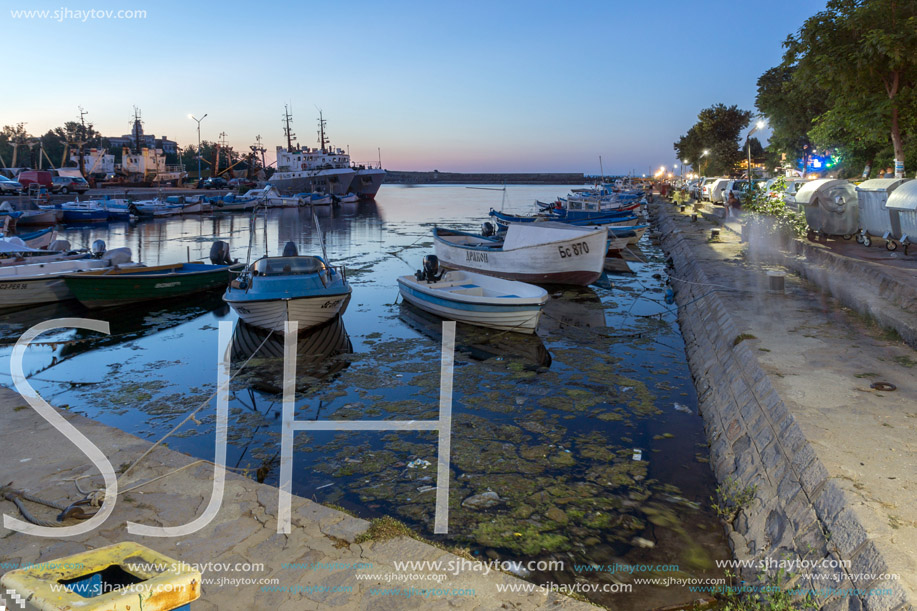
x,y
587,432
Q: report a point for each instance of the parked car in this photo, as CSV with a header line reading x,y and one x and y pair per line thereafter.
x,y
716,190
213,183
739,188
41,177
68,184
793,185
705,188
9,186
243,183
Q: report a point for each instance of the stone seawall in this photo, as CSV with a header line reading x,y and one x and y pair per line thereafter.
x,y
797,512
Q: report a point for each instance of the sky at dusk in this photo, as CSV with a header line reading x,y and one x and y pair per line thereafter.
x,y
454,86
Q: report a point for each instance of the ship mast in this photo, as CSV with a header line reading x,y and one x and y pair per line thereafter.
x,y
321,131
138,130
287,118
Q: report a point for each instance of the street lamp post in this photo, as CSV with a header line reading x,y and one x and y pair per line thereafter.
x,y
759,125
198,144
702,155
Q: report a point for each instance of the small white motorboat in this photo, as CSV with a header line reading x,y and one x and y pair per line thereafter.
x,y
473,298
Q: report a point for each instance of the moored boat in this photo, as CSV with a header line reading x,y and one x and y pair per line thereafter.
x,y
473,298
541,253
40,217
124,286
35,283
291,287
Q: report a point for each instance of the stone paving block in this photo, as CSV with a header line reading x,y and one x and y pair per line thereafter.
x,y
829,501
847,534
347,529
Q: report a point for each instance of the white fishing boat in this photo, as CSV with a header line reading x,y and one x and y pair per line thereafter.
x,y
292,287
155,208
475,299
542,253
274,290
315,199
35,283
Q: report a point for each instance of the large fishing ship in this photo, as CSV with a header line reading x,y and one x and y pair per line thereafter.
x,y
322,169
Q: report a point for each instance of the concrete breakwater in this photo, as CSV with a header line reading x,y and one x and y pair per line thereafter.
x,y
460,178
799,509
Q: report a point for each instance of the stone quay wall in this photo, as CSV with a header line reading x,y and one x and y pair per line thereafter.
x,y
755,441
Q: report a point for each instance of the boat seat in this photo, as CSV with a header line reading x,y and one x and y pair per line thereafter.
x,y
508,297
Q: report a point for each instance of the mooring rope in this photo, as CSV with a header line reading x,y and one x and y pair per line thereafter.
x,y
94,498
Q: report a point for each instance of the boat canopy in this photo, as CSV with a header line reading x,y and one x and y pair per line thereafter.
x,y
281,266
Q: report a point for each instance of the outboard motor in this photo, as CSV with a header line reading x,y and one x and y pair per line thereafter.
x,y
487,229
97,249
290,250
430,271
219,253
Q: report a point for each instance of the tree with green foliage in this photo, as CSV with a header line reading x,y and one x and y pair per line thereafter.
x,y
861,57
791,106
717,132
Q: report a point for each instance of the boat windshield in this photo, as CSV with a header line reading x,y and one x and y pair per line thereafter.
x,y
277,266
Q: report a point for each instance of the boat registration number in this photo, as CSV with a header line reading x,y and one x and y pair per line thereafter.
x,y
329,304
573,250
12,286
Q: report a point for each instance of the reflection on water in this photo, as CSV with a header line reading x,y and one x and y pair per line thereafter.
x,y
548,423
480,343
317,349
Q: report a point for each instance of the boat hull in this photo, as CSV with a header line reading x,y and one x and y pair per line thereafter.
x,y
335,182
578,260
306,311
41,217
20,293
518,318
114,290
366,183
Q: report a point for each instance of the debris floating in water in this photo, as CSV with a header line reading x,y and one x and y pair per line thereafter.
x,y
638,454
682,408
423,464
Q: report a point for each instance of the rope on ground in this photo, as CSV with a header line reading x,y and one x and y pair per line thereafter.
x,y
95,498
17,496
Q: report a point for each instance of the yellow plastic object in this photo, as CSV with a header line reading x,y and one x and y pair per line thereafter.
x,y
123,577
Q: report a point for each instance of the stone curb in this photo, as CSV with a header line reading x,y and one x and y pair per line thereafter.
x,y
755,441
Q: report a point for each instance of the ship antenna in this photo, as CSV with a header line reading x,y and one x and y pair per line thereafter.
x,y
287,118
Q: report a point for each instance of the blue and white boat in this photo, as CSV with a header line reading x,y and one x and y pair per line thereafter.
x,y
620,226
315,199
475,299
83,212
291,287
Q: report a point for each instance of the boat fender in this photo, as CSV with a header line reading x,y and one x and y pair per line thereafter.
x,y
97,248
669,296
290,250
219,253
